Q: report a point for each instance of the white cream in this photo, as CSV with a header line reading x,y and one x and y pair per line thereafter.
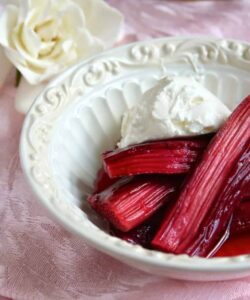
x,y
175,107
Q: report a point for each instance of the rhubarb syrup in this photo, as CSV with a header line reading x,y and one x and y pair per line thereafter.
x,y
236,245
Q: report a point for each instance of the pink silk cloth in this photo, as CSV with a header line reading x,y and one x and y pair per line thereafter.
x,y
38,258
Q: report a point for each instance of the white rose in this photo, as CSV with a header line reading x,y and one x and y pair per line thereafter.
x,y
41,38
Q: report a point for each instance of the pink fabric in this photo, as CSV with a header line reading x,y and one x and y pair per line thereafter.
x,y
38,258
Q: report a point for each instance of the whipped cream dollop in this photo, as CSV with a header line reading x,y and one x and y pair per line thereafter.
x,y
178,106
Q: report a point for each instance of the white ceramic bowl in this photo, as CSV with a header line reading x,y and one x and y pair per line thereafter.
x,y
78,116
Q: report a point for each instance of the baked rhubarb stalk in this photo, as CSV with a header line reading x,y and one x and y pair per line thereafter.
x,y
103,181
215,228
202,189
165,157
130,201
144,233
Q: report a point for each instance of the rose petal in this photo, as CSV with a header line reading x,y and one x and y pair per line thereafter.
x,y
28,37
8,21
5,66
26,94
20,63
88,44
73,17
24,7
19,46
102,20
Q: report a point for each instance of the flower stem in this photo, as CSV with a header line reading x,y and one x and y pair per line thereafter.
x,y
18,78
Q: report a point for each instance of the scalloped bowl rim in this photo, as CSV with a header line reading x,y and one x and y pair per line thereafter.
x,y
178,262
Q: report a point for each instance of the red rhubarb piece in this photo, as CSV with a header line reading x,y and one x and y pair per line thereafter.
x,y
161,157
215,228
103,181
201,191
130,201
144,233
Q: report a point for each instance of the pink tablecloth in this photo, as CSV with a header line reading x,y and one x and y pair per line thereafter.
x,y
38,258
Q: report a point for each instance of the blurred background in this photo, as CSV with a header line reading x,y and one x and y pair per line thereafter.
x,y
156,18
